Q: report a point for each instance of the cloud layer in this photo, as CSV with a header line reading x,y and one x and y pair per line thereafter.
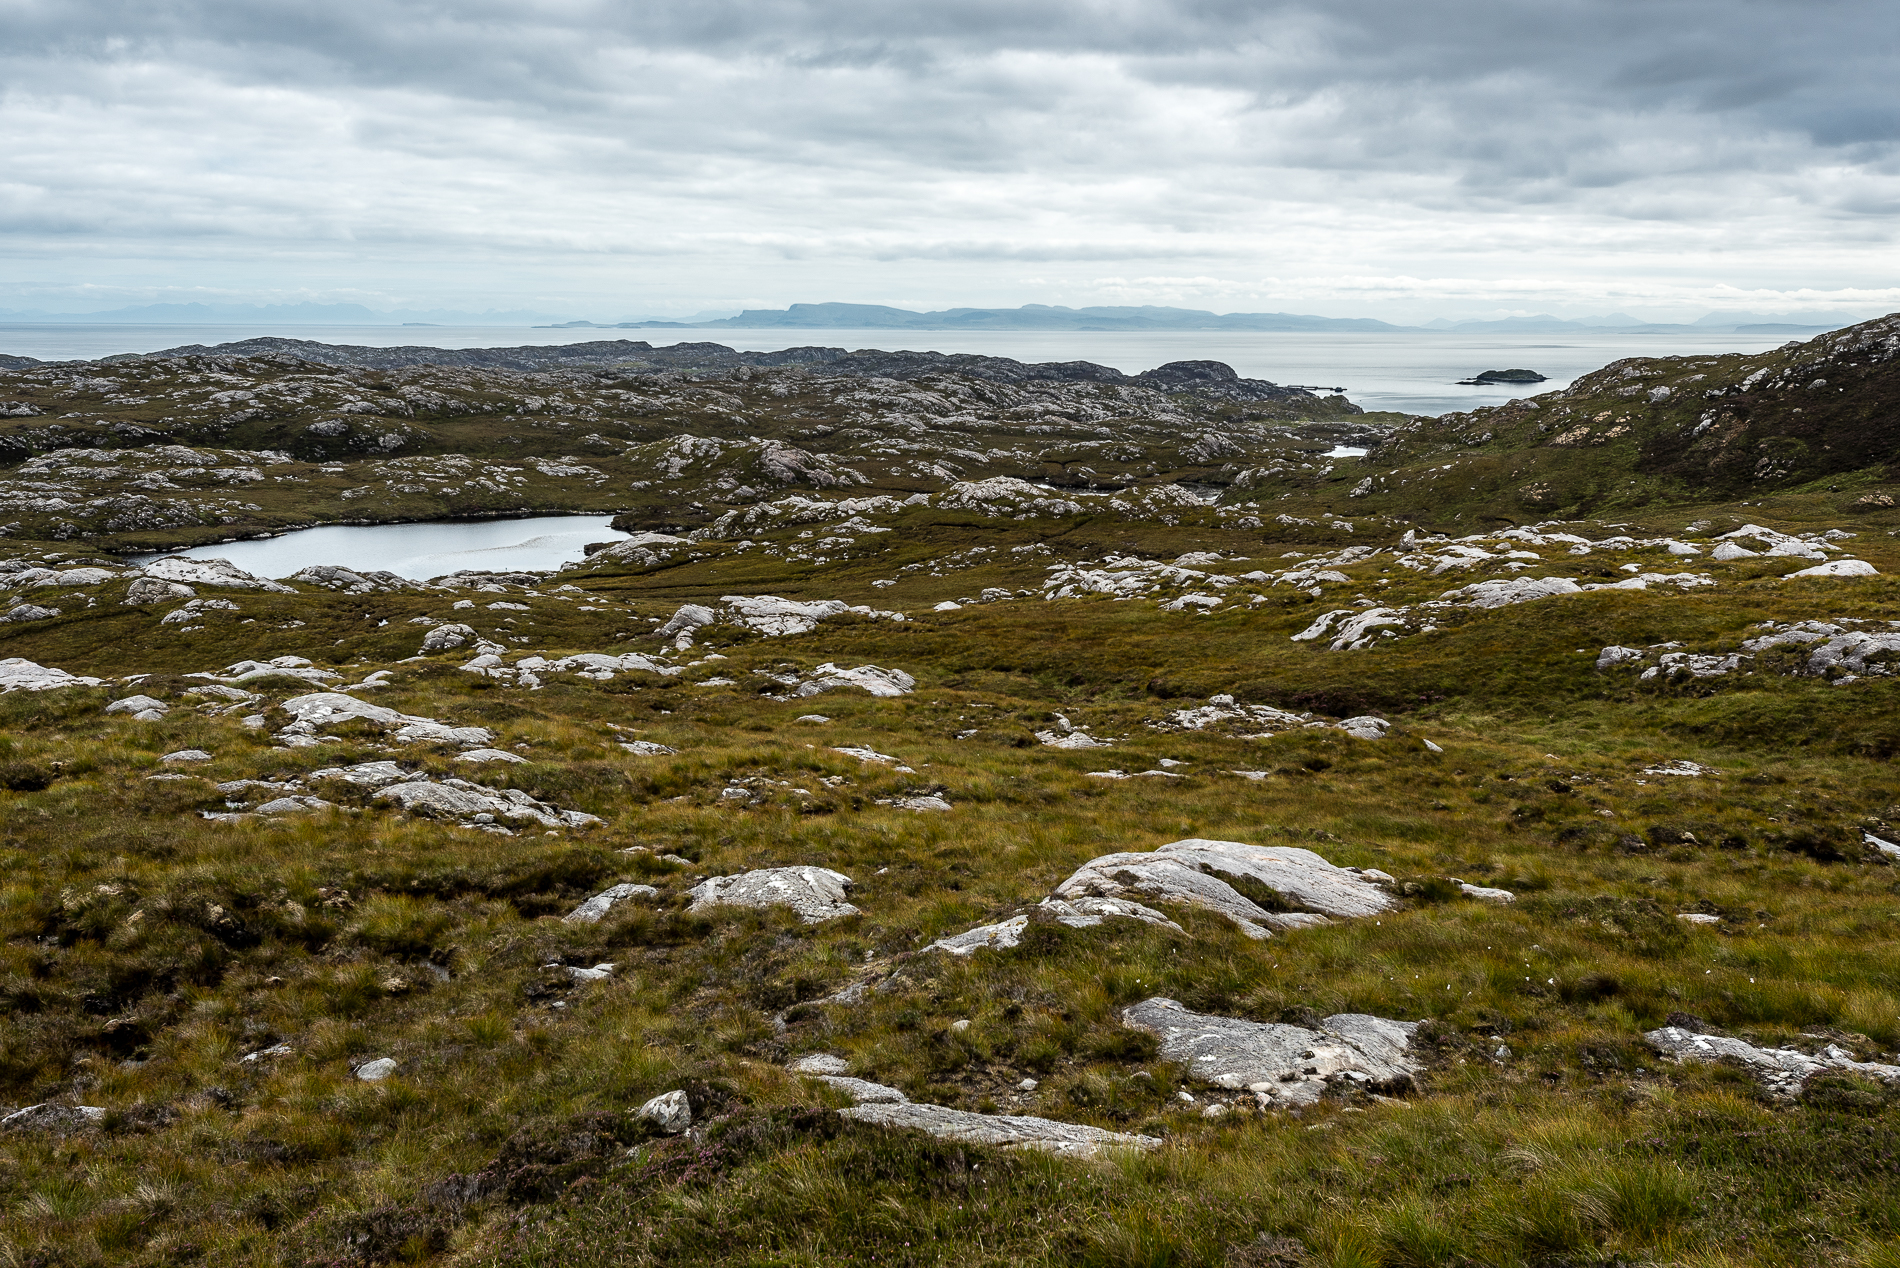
x,y
1355,156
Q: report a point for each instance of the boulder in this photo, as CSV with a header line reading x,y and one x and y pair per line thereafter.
x,y
366,774
369,581
376,1071
1839,568
56,1119
1082,913
140,705
1191,872
1282,1065
1006,1131
869,678
209,572
27,612
19,674
815,893
444,637
326,708
600,904
148,590
647,748
671,1112
1782,1072
184,755
460,800
489,755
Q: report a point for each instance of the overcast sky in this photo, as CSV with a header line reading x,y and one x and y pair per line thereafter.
x,y
1393,158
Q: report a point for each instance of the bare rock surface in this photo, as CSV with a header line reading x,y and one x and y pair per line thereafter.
x,y
1193,872
1007,1131
815,893
591,911
671,1112
868,678
19,674
1782,1072
326,708
210,572
465,802
1081,913
48,1117
1282,1065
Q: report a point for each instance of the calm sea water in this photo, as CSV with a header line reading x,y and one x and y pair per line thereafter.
x,y
421,551
1413,371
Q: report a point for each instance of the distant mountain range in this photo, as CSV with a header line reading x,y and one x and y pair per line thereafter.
x,y
1050,317
881,317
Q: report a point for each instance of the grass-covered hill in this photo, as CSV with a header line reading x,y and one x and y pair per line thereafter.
x,y
287,974
1821,416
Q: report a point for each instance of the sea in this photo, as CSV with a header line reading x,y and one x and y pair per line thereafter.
x,y
1413,371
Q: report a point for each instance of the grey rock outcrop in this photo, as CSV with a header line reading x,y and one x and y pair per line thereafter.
x,y
210,572
1081,913
446,637
51,1118
868,678
326,708
591,911
671,1112
1193,872
1282,1065
367,581
1782,1072
145,591
1006,1131
465,802
139,706
815,893
20,674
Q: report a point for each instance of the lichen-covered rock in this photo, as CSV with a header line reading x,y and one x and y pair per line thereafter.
x,y
1006,1131
444,637
591,911
1282,1065
19,674
138,705
868,678
367,581
1081,913
51,1118
460,800
1192,872
210,572
327,708
145,591
815,893
1782,1072
671,1112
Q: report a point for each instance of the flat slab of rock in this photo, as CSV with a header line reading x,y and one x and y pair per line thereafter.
x,y
868,678
815,893
326,708
210,572
1782,1072
461,800
1081,913
47,1117
1192,872
1007,1131
1282,1065
20,674
600,904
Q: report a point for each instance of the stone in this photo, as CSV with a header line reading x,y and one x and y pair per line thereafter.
x,y
920,803
862,1091
600,904
1698,918
671,1112
811,717
647,748
1782,1072
598,973
820,1063
1073,740
367,774
1483,894
145,591
1839,568
461,800
47,1117
1005,1131
368,581
19,674
1282,1065
444,637
1081,913
27,612
1617,656
489,755
1504,592
686,622
293,806
140,705
1190,872
376,1071
325,708
868,678
185,755
815,893
210,572
863,754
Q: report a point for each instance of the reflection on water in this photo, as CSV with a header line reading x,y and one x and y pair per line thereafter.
x,y
1346,451
422,551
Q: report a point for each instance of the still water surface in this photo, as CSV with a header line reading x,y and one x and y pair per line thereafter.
x,y
422,551
1411,371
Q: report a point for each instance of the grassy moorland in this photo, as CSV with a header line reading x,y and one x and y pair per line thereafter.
x,y
209,977
147,950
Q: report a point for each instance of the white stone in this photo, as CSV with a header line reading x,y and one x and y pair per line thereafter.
x,y
376,1071
1007,1131
140,705
1081,913
19,674
671,1112
444,637
185,755
489,755
1783,1072
869,678
591,911
820,1063
1282,1065
814,893
1839,568
1486,895
647,748
1190,872
1698,918
210,572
